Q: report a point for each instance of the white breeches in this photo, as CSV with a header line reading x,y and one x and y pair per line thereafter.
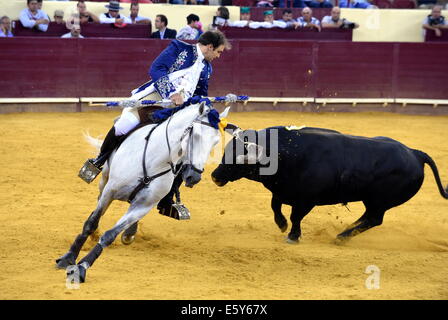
x,y
129,118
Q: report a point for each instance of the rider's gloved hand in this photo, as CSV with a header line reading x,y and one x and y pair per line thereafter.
x,y
177,99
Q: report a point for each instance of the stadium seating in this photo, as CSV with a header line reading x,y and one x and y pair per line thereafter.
x,y
289,34
87,30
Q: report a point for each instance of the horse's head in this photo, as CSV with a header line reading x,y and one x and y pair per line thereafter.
x,y
204,135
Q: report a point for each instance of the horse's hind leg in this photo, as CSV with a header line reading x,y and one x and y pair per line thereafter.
x,y
134,214
128,235
89,227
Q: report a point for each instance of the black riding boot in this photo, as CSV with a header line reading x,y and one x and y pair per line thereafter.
x,y
93,167
167,207
110,143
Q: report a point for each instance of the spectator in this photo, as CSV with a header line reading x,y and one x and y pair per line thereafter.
x,y
5,27
245,19
75,32
190,31
199,27
221,18
307,20
135,18
265,3
357,4
320,4
268,22
287,18
113,15
136,1
32,17
435,21
59,17
162,31
178,1
426,4
84,15
293,3
335,21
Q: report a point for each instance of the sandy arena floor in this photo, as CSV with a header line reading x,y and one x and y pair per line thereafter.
x,y
231,248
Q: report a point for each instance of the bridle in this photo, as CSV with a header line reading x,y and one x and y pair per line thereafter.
x,y
146,179
188,132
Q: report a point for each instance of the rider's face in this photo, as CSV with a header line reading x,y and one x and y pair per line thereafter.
x,y
210,54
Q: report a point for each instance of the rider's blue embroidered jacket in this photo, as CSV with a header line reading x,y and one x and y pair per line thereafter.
x,y
177,56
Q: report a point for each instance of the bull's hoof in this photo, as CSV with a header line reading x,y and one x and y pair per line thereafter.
x,y
77,274
291,241
66,260
283,227
341,240
127,239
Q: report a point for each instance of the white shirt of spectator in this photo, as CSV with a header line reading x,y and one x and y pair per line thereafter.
x,y
187,33
238,23
303,23
69,35
28,19
267,25
329,20
105,19
138,19
185,80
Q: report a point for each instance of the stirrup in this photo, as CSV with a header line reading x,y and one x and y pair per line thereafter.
x,y
88,172
176,211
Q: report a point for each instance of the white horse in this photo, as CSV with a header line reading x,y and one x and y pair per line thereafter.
x,y
187,134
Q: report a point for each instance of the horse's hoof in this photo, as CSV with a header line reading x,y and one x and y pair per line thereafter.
x,y
291,241
76,273
66,260
127,240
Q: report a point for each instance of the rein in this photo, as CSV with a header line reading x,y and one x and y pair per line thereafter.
x,y
146,180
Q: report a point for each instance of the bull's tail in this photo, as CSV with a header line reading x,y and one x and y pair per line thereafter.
x,y
427,159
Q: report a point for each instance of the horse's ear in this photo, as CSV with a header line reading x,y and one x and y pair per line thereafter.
x,y
224,113
202,107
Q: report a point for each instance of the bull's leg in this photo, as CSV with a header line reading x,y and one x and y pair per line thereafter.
x,y
279,218
134,214
89,228
297,213
371,218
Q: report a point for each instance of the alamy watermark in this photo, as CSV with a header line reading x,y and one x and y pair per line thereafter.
x,y
373,280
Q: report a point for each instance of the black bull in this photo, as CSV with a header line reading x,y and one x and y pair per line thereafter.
x,y
323,167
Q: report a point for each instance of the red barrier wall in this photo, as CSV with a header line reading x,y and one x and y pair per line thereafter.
x,y
44,67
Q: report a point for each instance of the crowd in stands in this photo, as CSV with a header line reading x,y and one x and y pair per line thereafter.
x,y
33,17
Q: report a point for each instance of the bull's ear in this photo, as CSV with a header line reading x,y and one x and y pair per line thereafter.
x,y
232,129
224,113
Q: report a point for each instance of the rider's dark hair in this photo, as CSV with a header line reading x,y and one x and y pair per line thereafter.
x,y
215,38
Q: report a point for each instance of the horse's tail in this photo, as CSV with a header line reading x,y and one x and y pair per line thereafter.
x,y
94,142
